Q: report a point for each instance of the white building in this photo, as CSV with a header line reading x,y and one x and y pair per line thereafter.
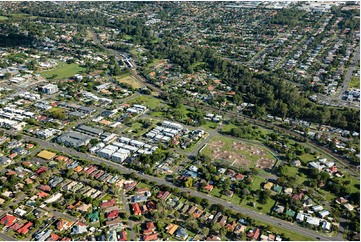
x,y
50,89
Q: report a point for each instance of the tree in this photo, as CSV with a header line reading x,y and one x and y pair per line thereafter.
x,y
188,182
264,196
205,231
283,170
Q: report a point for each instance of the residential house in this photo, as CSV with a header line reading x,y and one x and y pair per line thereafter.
x,y
279,209
163,195
25,228
8,220
108,203
171,228
93,217
79,228
239,229
63,224
213,238
222,220
112,214
231,226
122,236
254,234
113,222
208,187
136,209
268,185
150,237
181,233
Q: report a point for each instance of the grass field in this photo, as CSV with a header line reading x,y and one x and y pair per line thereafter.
x,y
2,18
130,81
264,208
210,125
63,71
148,101
226,128
256,184
143,185
22,16
137,128
230,151
355,82
307,157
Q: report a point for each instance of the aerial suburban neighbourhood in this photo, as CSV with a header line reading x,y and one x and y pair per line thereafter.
x,y
180,121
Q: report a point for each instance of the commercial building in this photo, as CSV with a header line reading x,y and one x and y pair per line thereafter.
x,y
74,139
50,89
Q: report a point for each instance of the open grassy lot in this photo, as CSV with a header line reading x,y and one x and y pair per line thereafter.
x,y
263,208
307,157
210,125
137,128
355,82
226,128
238,153
22,16
256,184
148,101
62,71
2,18
143,185
130,81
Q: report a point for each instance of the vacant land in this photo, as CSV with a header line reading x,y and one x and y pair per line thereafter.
x,y
355,82
130,81
238,153
2,18
22,16
62,71
148,101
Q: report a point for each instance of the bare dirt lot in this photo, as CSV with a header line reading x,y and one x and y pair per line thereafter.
x,y
240,154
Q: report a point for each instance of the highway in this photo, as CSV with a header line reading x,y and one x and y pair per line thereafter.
x,y
213,200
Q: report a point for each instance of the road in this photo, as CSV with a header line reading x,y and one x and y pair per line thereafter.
x,y
239,116
353,66
344,163
126,205
337,97
60,215
213,200
4,237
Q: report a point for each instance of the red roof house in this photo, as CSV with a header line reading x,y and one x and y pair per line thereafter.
x,y
25,228
136,209
108,203
45,188
42,194
53,237
123,236
8,220
209,187
151,206
113,214
150,237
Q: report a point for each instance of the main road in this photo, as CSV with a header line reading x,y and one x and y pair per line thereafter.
x,y
294,227
343,163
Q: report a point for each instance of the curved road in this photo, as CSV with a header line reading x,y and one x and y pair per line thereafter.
x,y
213,200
